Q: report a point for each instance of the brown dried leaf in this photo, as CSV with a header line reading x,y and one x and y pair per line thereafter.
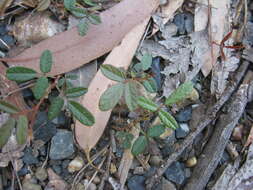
x,y
4,4
43,5
68,47
120,56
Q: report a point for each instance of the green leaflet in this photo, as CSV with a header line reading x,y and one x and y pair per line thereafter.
x,y
146,61
131,95
20,74
125,139
5,131
147,104
22,129
167,119
182,92
139,145
81,113
83,27
75,92
155,131
150,85
111,97
8,108
46,61
40,87
94,19
55,107
113,73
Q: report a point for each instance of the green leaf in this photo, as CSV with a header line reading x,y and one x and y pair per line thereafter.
x,y
155,131
75,92
111,97
182,92
131,95
147,104
89,2
113,73
43,5
83,27
81,113
7,107
146,61
22,129
46,61
71,76
94,19
69,4
5,131
79,12
125,139
167,119
150,85
139,145
20,74
55,108
40,87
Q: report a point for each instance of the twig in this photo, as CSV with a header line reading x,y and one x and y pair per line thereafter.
x,y
213,151
208,118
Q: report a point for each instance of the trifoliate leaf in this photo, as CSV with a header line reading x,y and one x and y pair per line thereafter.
x,y
8,108
150,85
46,61
113,73
22,129
94,19
147,104
5,131
146,61
139,145
55,107
155,131
83,27
182,92
75,92
40,87
167,119
111,97
81,113
131,95
20,74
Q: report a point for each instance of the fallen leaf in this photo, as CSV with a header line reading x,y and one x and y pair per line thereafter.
x,y
55,181
4,4
121,56
68,47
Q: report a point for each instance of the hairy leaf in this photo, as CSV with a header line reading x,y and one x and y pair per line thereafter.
x,y
79,12
69,4
94,19
131,95
40,87
150,85
111,97
146,61
147,104
5,131
75,92
83,27
22,129
46,61
7,107
20,74
113,73
81,113
139,145
155,131
167,119
55,107
182,92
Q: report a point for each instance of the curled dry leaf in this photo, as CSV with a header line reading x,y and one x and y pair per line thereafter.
x,y
68,47
121,56
4,4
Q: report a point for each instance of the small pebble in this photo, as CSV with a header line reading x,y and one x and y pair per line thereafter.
x,y
96,180
237,133
139,171
41,174
136,182
155,160
182,131
28,157
184,115
191,162
92,186
76,164
167,185
27,185
57,169
176,173
113,168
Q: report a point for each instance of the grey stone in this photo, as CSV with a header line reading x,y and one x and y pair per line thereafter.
x,y
41,174
61,120
176,173
189,23
6,40
57,169
182,131
31,186
167,185
62,145
28,157
184,115
136,182
156,70
43,128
